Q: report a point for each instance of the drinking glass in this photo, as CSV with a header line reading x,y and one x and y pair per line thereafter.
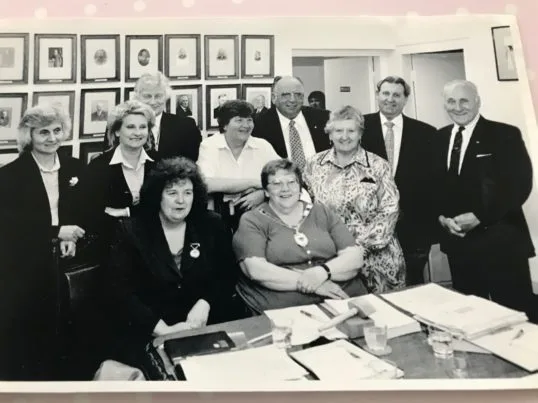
x,y
441,342
281,330
375,336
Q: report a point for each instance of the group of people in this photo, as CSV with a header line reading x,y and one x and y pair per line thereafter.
x,y
280,209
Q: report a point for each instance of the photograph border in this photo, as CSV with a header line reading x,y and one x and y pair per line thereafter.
x,y
37,48
244,88
128,40
207,61
25,57
87,147
83,40
271,39
199,107
167,39
497,57
126,91
83,92
209,107
24,97
70,94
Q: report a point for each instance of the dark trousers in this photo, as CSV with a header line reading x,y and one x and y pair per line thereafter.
x,y
415,262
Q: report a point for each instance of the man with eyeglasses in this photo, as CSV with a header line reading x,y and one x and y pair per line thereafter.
x,y
172,135
295,131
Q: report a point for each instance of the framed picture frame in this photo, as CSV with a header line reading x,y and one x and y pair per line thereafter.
x,y
182,57
100,58
14,58
221,57
257,56
259,95
503,48
64,98
55,58
128,93
216,95
143,54
8,155
186,101
95,104
12,107
89,150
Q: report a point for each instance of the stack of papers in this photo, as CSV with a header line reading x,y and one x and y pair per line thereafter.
x,y
305,326
341,361
398,324
265,364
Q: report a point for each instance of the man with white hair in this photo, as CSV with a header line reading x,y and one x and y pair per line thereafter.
x,y
485,176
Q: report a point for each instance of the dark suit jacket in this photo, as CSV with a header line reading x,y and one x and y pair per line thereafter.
x,y
178,137
183,113
268,127
413,177
29,286
262,112
494,182
145,281
102,116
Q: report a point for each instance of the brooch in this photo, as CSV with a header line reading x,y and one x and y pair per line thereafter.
x,y
195,253
73,181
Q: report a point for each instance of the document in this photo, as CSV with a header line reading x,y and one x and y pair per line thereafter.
x,y
265,364
305,326
342,361
398,324
521,350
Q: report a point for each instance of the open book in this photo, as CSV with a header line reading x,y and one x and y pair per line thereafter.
x,y
398,324
342,361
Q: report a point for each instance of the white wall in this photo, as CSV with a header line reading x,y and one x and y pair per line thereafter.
x,y
311,72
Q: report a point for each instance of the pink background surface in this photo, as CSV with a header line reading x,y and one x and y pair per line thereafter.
x,y
526,12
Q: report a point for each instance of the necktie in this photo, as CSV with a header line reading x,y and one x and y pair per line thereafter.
x,y
150,144
389,143
454,167
297,152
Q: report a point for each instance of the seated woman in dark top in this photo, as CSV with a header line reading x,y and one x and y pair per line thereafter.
x,y
172,267
293,252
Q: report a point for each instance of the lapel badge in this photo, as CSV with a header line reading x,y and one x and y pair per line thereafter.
x,y
73,181
195,253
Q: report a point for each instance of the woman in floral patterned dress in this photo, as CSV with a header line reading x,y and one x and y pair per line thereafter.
x,y
359,186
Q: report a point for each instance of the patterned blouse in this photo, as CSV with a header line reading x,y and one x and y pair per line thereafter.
x,y
365,196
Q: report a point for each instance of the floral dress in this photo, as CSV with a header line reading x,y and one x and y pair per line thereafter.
x,y
365,196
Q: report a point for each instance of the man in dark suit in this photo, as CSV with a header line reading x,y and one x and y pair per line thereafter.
x,y
295,131
182,109
484,177
172,135
222,98
100,114
410,141
259,106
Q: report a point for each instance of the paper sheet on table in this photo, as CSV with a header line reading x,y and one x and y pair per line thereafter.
x,y
397,323
342,361
521,352
266,363
305,329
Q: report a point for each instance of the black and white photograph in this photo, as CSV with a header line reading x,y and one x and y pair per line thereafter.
x,y
94,109
100,58
257,56
221,56
12,106
216,96
64,98
186,101
55,58
182,57
369,223
14,58
143,53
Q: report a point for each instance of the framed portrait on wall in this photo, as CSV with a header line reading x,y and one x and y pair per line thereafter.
x,y
257,56
55,58
90,150
221,57
100,58
216,95
12,107
503,47
64,98
128,94
143,54
186,101
14,58
95,105
259,95
182,57
8,155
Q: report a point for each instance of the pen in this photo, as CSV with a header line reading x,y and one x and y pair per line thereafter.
x,y
259,338
519,333
351,353
308,314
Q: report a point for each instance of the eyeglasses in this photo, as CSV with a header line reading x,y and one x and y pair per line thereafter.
x,y
147,97
280,185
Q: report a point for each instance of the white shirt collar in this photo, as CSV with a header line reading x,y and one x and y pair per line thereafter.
x,y
117,158
285,122
398,120
55,167
221,141
469,127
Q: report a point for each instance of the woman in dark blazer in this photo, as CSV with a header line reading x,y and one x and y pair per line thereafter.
x,y
172,267
37,205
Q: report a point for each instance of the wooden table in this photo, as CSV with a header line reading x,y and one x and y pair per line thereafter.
x,y
411,353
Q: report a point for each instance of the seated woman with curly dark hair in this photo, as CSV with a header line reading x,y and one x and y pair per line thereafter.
x,y
172,267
